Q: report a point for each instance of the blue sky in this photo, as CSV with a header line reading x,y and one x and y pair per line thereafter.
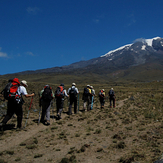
x,y
38,34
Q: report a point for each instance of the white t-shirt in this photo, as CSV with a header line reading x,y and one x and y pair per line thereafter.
x,y
22,90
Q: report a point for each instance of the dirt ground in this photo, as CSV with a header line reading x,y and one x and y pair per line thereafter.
x,y
108,135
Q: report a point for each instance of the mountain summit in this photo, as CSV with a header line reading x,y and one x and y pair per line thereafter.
x,y
139,51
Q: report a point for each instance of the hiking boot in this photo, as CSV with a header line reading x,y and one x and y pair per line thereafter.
x,y
42,121
19,128
59,117
47,123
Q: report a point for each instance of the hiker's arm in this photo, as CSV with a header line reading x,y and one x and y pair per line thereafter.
x,y
29,95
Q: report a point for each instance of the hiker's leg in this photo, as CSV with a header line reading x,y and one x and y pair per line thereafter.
x,y
101,102
44,107
48,112
114,102
58,105
75,105
70,106
61,106
89,104
19,113
110,102
10,112
84,105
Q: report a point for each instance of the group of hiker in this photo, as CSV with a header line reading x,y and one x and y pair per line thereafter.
x,y
14,91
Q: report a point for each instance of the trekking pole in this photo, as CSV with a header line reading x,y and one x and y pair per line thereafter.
x,y
92,102
28,112
78,102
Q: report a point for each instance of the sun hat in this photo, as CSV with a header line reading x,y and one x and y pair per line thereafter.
x,y
73,84
24,82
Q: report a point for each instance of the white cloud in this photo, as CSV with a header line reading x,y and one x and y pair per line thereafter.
x,y
3,54
96,20
30,53
33,10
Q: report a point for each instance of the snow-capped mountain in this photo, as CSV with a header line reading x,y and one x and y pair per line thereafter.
x,y
143,58
139,50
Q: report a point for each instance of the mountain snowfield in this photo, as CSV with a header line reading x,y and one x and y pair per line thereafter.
x,y
147,42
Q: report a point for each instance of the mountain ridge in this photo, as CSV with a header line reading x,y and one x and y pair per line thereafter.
x,y
122,61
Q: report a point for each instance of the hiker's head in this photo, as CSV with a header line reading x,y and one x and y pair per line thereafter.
x,y
62,85
88,86
91,87
24,83
73,84
111,88
46,86
103,90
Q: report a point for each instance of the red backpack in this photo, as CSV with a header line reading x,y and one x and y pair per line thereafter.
x,y
10,91
59,92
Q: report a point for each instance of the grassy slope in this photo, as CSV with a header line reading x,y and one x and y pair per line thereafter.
x,y
130,132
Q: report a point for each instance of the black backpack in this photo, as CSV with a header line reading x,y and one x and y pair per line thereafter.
x,y
72,93
47,94
111,93
86,92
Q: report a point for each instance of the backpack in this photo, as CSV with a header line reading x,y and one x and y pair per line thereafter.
x,y
59,93
10,90
47,94
72,93
86,92
111,93
101,93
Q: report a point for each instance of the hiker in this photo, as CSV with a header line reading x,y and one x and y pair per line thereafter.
x,y
92,96
72,92
15,106
112,97
59,95
102,98
86,98
46,96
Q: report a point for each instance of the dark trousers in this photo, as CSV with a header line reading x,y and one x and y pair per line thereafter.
x,y
59,104
73,100
102,102
45,110
112,99
13,107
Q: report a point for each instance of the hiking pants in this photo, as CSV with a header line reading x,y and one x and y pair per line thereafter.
x,y
102,102
87,103
13,107
59,103
73,100
112,99
45,110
